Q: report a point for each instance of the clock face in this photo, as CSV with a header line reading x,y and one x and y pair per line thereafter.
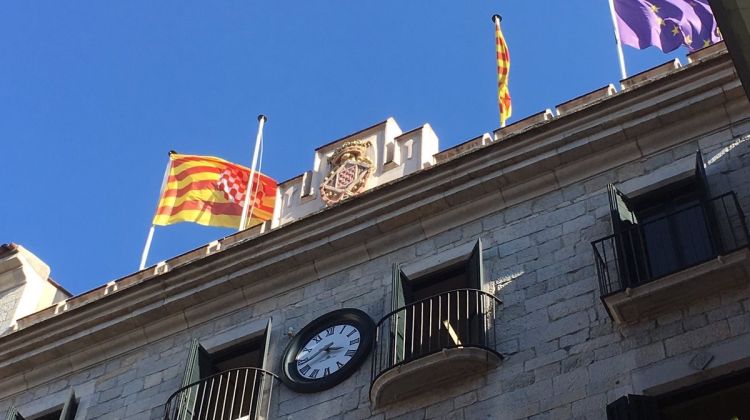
x,y
327,350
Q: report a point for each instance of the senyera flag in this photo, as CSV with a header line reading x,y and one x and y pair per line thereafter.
x,y
503,68
666,24
211,192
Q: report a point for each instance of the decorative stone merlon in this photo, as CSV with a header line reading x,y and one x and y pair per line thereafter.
x,y
25,286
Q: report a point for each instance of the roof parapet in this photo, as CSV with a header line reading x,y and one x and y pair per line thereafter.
x,y
462,148
707,53
585,100
650,75
524,124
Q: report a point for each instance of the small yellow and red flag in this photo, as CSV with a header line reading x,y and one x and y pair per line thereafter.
x,y
503,68
211,192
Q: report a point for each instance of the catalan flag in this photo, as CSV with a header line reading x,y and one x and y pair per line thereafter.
x,y
211,192
503,68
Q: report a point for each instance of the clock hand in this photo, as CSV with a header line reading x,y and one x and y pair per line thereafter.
x,y
309,359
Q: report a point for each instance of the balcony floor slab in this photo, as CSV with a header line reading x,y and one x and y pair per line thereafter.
x,y
677,290
423,374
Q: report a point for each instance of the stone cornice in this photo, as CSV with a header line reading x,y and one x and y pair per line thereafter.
x,y
147,306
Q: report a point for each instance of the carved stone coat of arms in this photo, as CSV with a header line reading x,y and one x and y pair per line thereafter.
x,y
350,170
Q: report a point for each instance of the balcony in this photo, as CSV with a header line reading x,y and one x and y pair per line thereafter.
x,y
437,339
664,262
235,394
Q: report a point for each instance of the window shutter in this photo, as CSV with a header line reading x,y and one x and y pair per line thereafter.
x,y
401,295
401,288
629,246
633,407
266,365
198,366
475,269
622,216
70,407
13,414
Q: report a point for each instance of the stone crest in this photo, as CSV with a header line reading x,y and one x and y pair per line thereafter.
x,y
350,170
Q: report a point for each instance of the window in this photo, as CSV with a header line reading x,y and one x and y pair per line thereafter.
x,y
65,411
229,382
664,230
667,230
673,232
439,309
441,327
724,398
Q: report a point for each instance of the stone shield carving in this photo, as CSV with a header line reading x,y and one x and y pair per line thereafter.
x,y
350,170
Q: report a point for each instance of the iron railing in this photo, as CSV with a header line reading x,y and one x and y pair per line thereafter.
x,y
234,394
681,239
458,318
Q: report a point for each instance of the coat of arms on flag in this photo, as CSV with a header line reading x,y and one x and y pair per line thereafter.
x,y
350,170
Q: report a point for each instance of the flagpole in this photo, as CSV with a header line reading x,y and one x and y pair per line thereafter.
x,y
150,237
248,191
620,55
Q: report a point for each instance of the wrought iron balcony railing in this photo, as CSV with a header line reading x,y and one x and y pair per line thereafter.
x,y
235,394
689,236
458,318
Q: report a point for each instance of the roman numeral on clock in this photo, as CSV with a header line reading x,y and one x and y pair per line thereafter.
x,y
314,373
327,372
318,338
304,369
355,341
330,331
352,332
350,353
339,365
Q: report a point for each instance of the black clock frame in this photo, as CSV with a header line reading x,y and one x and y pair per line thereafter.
x,y
350,316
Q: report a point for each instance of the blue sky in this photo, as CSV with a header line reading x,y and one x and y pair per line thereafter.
x,y
94,94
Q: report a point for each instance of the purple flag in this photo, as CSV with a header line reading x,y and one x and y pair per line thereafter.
x,y
666,24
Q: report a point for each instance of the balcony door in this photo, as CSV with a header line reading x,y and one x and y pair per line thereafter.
x,y
225,384
440,309
664,230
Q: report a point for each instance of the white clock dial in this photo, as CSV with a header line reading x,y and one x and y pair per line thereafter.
x,y
328,351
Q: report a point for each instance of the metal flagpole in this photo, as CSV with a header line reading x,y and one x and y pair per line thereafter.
x,y
243,220
150,237
620,55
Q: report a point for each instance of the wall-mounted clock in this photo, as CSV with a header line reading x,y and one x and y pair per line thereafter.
x,y
327,350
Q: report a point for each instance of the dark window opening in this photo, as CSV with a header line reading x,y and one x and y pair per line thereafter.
x,y
666,230
225,384
675,227
440,309
66,412
724,398
55,415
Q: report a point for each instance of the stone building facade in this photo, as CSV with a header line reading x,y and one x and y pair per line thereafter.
x,y
559,329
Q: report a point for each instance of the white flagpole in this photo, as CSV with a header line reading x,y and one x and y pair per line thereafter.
x,y
620,55
248,191
150,237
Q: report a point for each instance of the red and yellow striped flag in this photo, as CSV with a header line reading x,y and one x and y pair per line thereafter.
x,y
503,68
211,192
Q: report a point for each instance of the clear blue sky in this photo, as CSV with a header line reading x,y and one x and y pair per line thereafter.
x,y
94,94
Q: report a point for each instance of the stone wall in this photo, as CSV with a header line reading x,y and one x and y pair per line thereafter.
x,y
564,357
8,304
